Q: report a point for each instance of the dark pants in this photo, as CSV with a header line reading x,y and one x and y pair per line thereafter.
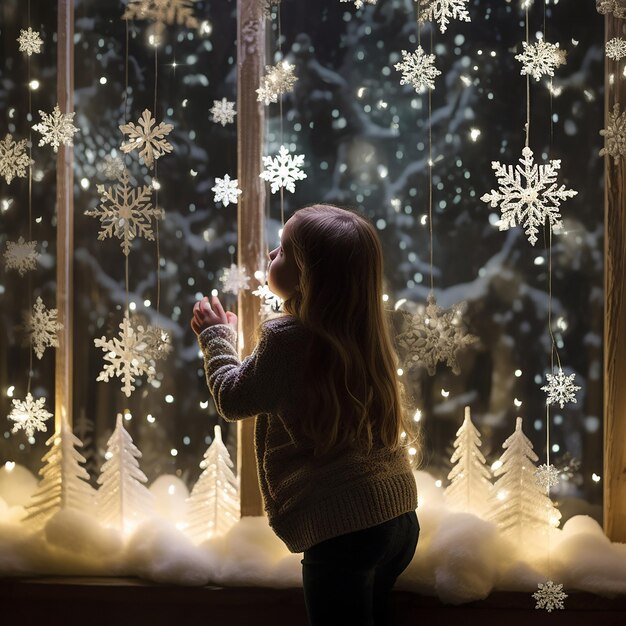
x,y
348,579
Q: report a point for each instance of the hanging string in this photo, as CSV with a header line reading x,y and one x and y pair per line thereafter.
x,y
156,190
527,86
280,110
30,209
430,178
126,282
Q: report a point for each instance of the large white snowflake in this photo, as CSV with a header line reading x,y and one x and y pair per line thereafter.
x,y
616,7
162,12
418,69
150,141
235,279
125,212
615,48
13,158
126,356
223,112
442,11
539,59
283,170
528,194
279,79
30,41
112,167
615,134
42,327
359,3
435,335
21,255
549,596
547,476
29,415
560,388
56,128
226,190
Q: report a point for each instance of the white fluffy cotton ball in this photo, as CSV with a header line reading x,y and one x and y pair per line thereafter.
x,y
17,484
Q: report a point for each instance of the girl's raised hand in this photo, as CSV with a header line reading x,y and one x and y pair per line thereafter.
x,y
206,314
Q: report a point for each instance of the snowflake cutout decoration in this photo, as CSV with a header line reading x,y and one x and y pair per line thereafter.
x,y
149,141
126,356
29,415
539,59
158,342
234,279
560,388
112,167
547,476
617,7
549,596
418,69
42,327
359,3
530,204
21,256
615,48
279,79
223,112
226,190
13,158
162,12
442,11
615,134
435,335
284,170
56,128
270,302
30,41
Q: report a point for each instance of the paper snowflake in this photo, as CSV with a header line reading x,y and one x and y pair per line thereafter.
x,y
359,3
162,12
125,212
112,167
42,327
30,41
279,79
616,7
615,134
158,342
560,388
615,48
226,190
435,335
126,356
29,415
418,69
13,158
539,59
56,128
528,195
21,256
149,141
547,476
284,170
235,279
549,596
270,302
442,11
223,112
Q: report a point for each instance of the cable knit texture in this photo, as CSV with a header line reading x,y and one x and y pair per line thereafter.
x,y
307,499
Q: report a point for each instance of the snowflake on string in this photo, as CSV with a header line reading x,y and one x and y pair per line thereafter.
x,y
126,356
532,203
125,212
547,476
435,335
235,279
226,190
549,596
284,170
29,415
359,3
56,128
270,302
442,11
112,167
279,79
13,158
539,59
560,388
615,48
617,7
42,327
158,342
21,256
149,141
418,69
162,12
615,134
30,41
223,112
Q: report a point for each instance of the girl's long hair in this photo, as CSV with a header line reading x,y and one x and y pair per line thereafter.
x,y
353,395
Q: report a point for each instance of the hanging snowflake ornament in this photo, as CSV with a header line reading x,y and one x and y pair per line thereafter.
x,y
29,415
547,476
539,59
283,170
162,12
223,112
13,158
270,302
528,195
435,335
418,69
279,79
359,3
112,167
21,255
158,342
42,327
549,596
560,388
226,190
442,11
616,7
150,141
235,279
30,41
125,212
615,134
56,128
615,48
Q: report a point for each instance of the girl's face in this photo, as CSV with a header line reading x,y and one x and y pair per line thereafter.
x,y
283,273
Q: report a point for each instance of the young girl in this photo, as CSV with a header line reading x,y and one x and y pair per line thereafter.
x,y
333,466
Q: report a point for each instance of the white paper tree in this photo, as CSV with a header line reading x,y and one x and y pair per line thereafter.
x,y
214,500
123,501
471,488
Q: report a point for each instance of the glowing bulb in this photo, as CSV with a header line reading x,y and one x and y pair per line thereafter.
x,y
496,465
9,466
518,373
147,303
438,483
445,393
517,402
34,84
10,391
502,494
474,133
173,451
150,418
400,371
418,416
595,478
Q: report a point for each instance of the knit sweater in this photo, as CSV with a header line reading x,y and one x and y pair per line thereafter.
x,y
307,499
